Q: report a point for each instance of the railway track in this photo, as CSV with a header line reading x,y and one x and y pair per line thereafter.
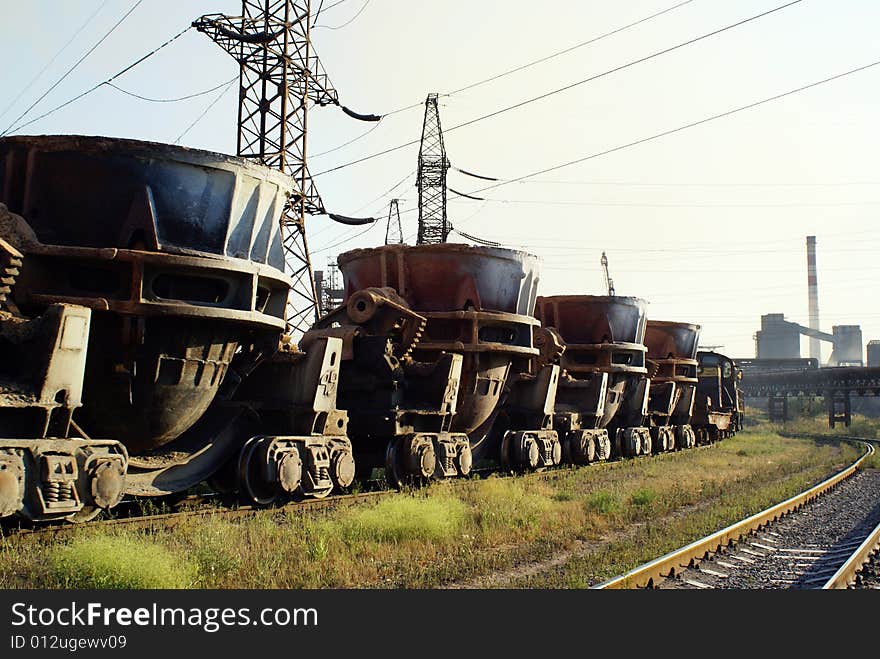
x,y
171,519
134,517
820,538
866,576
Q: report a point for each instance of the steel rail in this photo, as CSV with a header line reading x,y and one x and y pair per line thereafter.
x,y
169,520
646,575
849,438
846,575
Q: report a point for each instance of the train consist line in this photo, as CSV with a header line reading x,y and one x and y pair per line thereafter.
x,y
133,516
145,347
819,538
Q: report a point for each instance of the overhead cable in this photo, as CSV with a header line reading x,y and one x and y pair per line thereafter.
x,y
205,111
462,194
683,127
54,57
172,100
347,23
572,85
100,84
72,68
570,48
467,173
481,241
519,68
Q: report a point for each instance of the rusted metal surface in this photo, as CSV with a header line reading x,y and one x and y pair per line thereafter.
x,y
672,351
475,303
287,405
139,283
530,403
10,264
400,408
718,405
99,192
61,478
650,573
603,371
594,319
42,361
672,340
177,253
44,474
447,277
165,328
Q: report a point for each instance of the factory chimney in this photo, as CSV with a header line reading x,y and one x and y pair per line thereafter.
x,y
813,294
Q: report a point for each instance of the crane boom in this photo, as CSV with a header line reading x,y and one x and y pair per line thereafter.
x,y
609,282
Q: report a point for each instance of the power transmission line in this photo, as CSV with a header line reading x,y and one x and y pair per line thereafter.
x,y
680,128
351,141
347,23
171,100
72,68
347,240
54,57
101,84
431,178
321,7
697,184
515,70
570,48
575,84
206,110
394,228
636,204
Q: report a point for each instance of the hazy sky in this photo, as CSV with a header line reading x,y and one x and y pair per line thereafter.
x,y
708,224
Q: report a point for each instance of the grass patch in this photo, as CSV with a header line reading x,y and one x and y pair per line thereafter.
x,y
403,518
118,562
643,497
603,503
612,515
814,420
503,504
873,460
214,555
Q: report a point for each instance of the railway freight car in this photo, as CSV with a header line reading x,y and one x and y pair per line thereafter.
x,y
438,360
142,346
672,351
152,277
718,406
602,388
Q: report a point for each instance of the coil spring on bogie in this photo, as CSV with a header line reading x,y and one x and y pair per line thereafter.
x,y
56,492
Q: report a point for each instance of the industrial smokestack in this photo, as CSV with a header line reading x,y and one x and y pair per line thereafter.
x,y
813,294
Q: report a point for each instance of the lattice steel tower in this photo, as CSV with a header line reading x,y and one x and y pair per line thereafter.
x,y
280,77
394,229
431,181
